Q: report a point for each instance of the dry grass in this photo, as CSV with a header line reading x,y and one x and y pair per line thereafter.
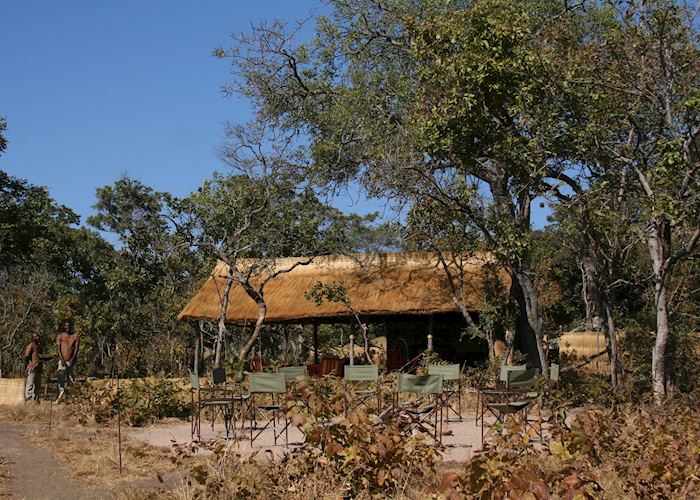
x,y
92,454
4,478
581,345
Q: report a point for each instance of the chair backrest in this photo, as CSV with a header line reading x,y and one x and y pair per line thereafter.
x,y
419,384
554,372
448,372
505,369
194,380
219,376
293,373
521,378
361,373
268,383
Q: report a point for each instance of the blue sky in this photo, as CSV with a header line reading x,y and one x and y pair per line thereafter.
x,y
93,90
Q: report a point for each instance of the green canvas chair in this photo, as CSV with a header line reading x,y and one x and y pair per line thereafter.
x,y
273,384
521,379
554,374
514,399
505,369
215,399
452,388
219,376
367,375
293,374
424,413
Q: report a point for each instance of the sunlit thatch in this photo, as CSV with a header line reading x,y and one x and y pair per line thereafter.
x,y
377,284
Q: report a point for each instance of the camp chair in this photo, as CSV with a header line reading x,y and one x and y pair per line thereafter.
x,y
219,376
293,373
421,415
452,387
363,373
503,388
518,398
519,380
554,374
273,384
218,399
505,369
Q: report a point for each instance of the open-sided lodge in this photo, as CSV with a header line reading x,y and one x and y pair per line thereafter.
x,y
408,294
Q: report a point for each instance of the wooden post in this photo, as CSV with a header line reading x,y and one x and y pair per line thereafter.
x,y
430,342
316,342
352,350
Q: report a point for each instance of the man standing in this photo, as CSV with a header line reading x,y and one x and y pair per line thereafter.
x,y
67,344
32,356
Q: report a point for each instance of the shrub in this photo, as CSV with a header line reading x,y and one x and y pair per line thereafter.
x,y
628,451
141,401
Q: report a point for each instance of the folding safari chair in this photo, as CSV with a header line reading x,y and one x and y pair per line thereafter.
x,y
356,374
212,398
520,380
554,374
218,376
293,373
519,396
511,379
500,410
272,384
425,413
452,388
505,369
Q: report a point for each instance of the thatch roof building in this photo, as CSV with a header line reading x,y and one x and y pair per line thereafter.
x,y
378,285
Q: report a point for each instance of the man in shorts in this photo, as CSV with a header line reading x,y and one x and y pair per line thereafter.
x,y
67,344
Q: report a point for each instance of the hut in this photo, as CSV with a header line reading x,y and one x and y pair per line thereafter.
x,y
409,294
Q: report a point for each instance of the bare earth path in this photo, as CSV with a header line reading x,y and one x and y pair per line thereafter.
x,y
34,473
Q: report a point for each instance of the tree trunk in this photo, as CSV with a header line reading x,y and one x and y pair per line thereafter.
x,y
222,321
600,313
530,310
248,346
659,245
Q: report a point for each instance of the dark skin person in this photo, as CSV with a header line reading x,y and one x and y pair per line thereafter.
x,y
68,344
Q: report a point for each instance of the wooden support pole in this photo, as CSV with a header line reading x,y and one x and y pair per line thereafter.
x,y
352,350
430,342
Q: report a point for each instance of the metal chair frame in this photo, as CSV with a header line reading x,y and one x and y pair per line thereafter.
x,y
363,373
220,398
517,384
452,388
273,384
427,415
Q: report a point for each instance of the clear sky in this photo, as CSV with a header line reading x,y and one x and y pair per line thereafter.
x,y
93,90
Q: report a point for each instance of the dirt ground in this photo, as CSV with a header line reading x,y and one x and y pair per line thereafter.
x,y
30,472
460,439
79,462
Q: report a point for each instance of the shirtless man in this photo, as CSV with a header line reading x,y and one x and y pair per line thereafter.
x,y
32,356
67,344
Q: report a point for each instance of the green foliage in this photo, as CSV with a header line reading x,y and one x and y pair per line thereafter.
x,y
141,401
3,140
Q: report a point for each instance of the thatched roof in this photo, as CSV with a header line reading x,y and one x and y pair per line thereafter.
x,y
377,284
